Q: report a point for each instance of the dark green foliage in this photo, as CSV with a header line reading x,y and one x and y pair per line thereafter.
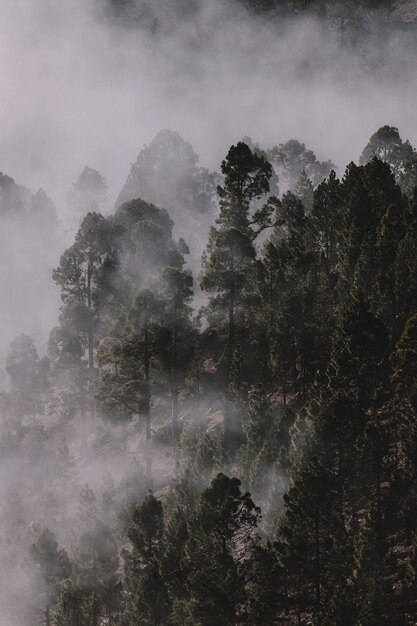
x,y
327,217
96,562
221,534
52,567
292,158
404,361
264,589
304,190
308,536
297,379
147,594
387,145
148,525
228,263
28,380
72,608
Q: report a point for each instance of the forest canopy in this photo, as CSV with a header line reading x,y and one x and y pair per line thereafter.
x,y
253,458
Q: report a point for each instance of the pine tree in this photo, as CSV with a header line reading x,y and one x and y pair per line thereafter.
x,y
175,344
406,266
173,567
387,145
229,259
51,568
307,534
327,217
95,562
304,190
87,194
391,233
291,158
72,607
266,594
148,599
221,534
369,573
125,379
368,192
28,379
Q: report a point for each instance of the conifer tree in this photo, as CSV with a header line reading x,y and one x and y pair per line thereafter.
x,y
387,145
229,259
391,233
88,193
125,388
148,600
175,348
28,379
327,217
172,560
95,562
305,191
52,567
266,593
307,534
72,607
221,534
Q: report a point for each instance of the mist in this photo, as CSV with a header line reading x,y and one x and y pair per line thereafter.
x,y
80,89
82,86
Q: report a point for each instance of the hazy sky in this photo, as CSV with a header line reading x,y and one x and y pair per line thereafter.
x,y
76,91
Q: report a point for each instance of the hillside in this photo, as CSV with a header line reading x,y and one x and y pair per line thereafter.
x,y
208,346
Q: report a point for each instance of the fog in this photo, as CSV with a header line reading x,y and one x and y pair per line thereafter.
x,y
79,90
81,87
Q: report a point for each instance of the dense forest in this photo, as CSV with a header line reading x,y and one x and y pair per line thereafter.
x,y
144,8
251,460
208,372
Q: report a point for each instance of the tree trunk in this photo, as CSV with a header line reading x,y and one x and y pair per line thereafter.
x,y
341,478
174,381
124,434
95,611
318,566
147,408
90,342
231,338
90,339
90,336
92,402
82,403
174,410
378,464
298,600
